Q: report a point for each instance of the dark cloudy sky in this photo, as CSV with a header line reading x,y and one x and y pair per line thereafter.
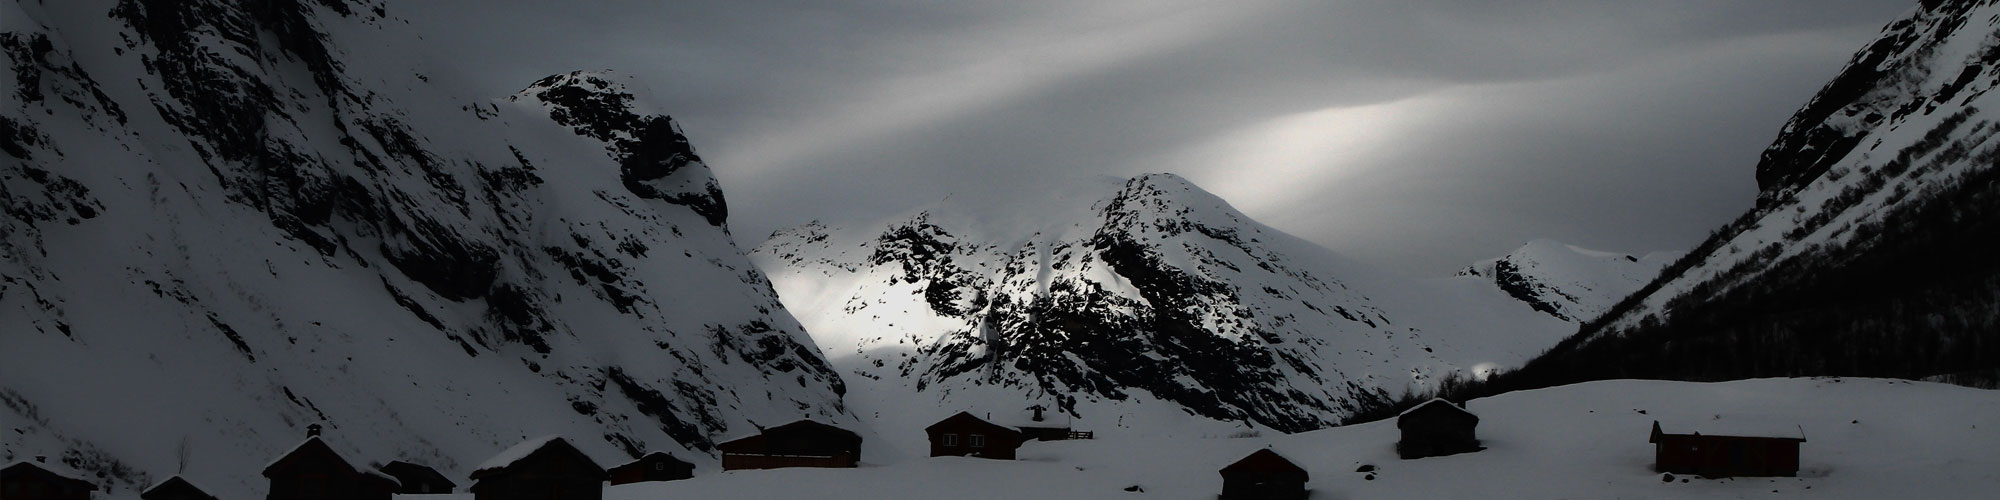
x,y
1418,135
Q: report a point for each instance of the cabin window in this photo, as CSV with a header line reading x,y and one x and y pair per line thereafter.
x,y
978,440
660,466
950,439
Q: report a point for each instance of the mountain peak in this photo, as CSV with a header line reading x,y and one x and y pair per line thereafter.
x,y
1569,282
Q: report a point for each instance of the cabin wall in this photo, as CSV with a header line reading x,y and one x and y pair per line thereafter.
x,y
1726,456
747,461
29,487
1262,488
533,487
1000,442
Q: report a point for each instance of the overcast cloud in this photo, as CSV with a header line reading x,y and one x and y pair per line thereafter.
x,y
1417,135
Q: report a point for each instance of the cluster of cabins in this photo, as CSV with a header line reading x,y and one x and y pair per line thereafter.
x,y
550,468
1438,428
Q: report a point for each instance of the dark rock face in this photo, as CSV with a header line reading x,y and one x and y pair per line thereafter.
x,y
1862,97
1525,289
650,149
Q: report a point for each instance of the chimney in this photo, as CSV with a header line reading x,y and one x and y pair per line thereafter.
x,y
1038,412
312,430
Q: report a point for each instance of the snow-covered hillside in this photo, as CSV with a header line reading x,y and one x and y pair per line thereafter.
x,y
1903,120
1865,439
1870,250
227,220
1134,305
1571,283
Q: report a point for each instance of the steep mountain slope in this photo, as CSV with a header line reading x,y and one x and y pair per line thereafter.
x,y
1570,283
1146,304
1870,250
227,220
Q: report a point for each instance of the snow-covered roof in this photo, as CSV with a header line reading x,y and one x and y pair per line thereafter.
x,y
176,477
1433,401
1025,417
360,467
54,467
302,444
515,454
1740,427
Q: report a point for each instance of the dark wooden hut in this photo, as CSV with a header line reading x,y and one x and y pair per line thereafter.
x,y
41,480
313,471
804,443
655,466
546,468
418,479
175,488
1436,428
1745,452
964,435
1264,475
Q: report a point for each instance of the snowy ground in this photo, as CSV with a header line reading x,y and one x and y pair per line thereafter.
x,y
1867,439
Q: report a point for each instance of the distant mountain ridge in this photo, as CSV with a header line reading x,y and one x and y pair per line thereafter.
x,y
1137,302
1568,282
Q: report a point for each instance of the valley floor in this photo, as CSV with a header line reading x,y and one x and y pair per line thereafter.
x,y
1866,439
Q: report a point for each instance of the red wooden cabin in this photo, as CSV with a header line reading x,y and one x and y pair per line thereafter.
x,y
964,435
40,480
1264,475
804,443
655,466
1722,455
313,471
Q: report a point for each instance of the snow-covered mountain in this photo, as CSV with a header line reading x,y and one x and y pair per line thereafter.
x,y
1870,250
227,220
1143,303
1568,282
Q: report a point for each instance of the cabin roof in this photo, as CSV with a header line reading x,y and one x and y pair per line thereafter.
x,y
1052,418
1265,461
400,468
175,481
809,425
56,470
509,457
1749,427
963,417
1435,404
657,456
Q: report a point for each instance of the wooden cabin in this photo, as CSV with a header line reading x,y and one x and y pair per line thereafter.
x,y
1734,452
804,443
313,471
1264,475
546,468
418,479
1436,428
655,466
40,480
175,488
964,435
